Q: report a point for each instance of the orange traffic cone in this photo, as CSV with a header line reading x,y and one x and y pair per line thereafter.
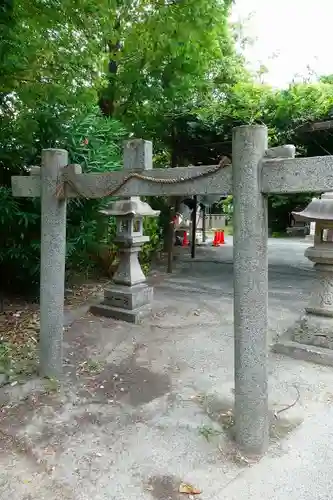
x,y
185,240
216,239
221,238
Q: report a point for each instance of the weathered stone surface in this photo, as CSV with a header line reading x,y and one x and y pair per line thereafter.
x,y
304,352
52,265
138,155
313,330
129,271
125,297
130,316
96,185
285,151
279,175
26,187
129,297
315,327
297,175
321,301
219,183
250,290
292,175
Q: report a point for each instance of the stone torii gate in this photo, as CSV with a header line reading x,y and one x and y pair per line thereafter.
x,y
256,172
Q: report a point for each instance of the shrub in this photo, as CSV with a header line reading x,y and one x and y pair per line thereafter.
x,y
20,245
95,143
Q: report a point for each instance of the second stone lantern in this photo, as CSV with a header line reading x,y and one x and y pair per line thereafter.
x,y
128,297
316,326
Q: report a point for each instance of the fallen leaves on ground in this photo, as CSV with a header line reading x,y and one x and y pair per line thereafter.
x,y
20,320
17,326
188,489
19,333
80,294
19,330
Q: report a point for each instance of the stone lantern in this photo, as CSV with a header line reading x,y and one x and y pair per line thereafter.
x,y
129,297
316,326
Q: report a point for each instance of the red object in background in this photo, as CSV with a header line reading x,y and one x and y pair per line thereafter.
x,y
221,238
185,240
218,238
175,220
85,141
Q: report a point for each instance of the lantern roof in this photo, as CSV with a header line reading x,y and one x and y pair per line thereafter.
x,y
319,209
130,207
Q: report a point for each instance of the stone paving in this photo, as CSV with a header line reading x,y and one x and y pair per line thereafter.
x,y
146,407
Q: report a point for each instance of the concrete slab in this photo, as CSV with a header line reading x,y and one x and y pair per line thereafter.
x,y
146,406
304,471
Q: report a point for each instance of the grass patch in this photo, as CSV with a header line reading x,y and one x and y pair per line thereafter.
x,y
18,361
51,385
277,234
92,366
208,432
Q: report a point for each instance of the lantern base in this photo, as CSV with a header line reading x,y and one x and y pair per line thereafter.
x,y
309,339
135,316
303,352
126,303
314,330
128,297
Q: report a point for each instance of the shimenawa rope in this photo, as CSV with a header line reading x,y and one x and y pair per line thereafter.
x,y
70,180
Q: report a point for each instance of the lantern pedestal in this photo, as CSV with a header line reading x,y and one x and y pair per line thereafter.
x,y
131,304
311,337
128,297
313,330
316,326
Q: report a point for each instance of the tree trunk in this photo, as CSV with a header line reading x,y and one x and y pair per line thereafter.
x,y
107,101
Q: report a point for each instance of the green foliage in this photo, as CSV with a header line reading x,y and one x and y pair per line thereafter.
x,y
206,135
18,361
161,69
227,206
288,110
280,208
47,75
151,228
164,60
95,143
299,104
19,252
86,227
152,59
165,52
